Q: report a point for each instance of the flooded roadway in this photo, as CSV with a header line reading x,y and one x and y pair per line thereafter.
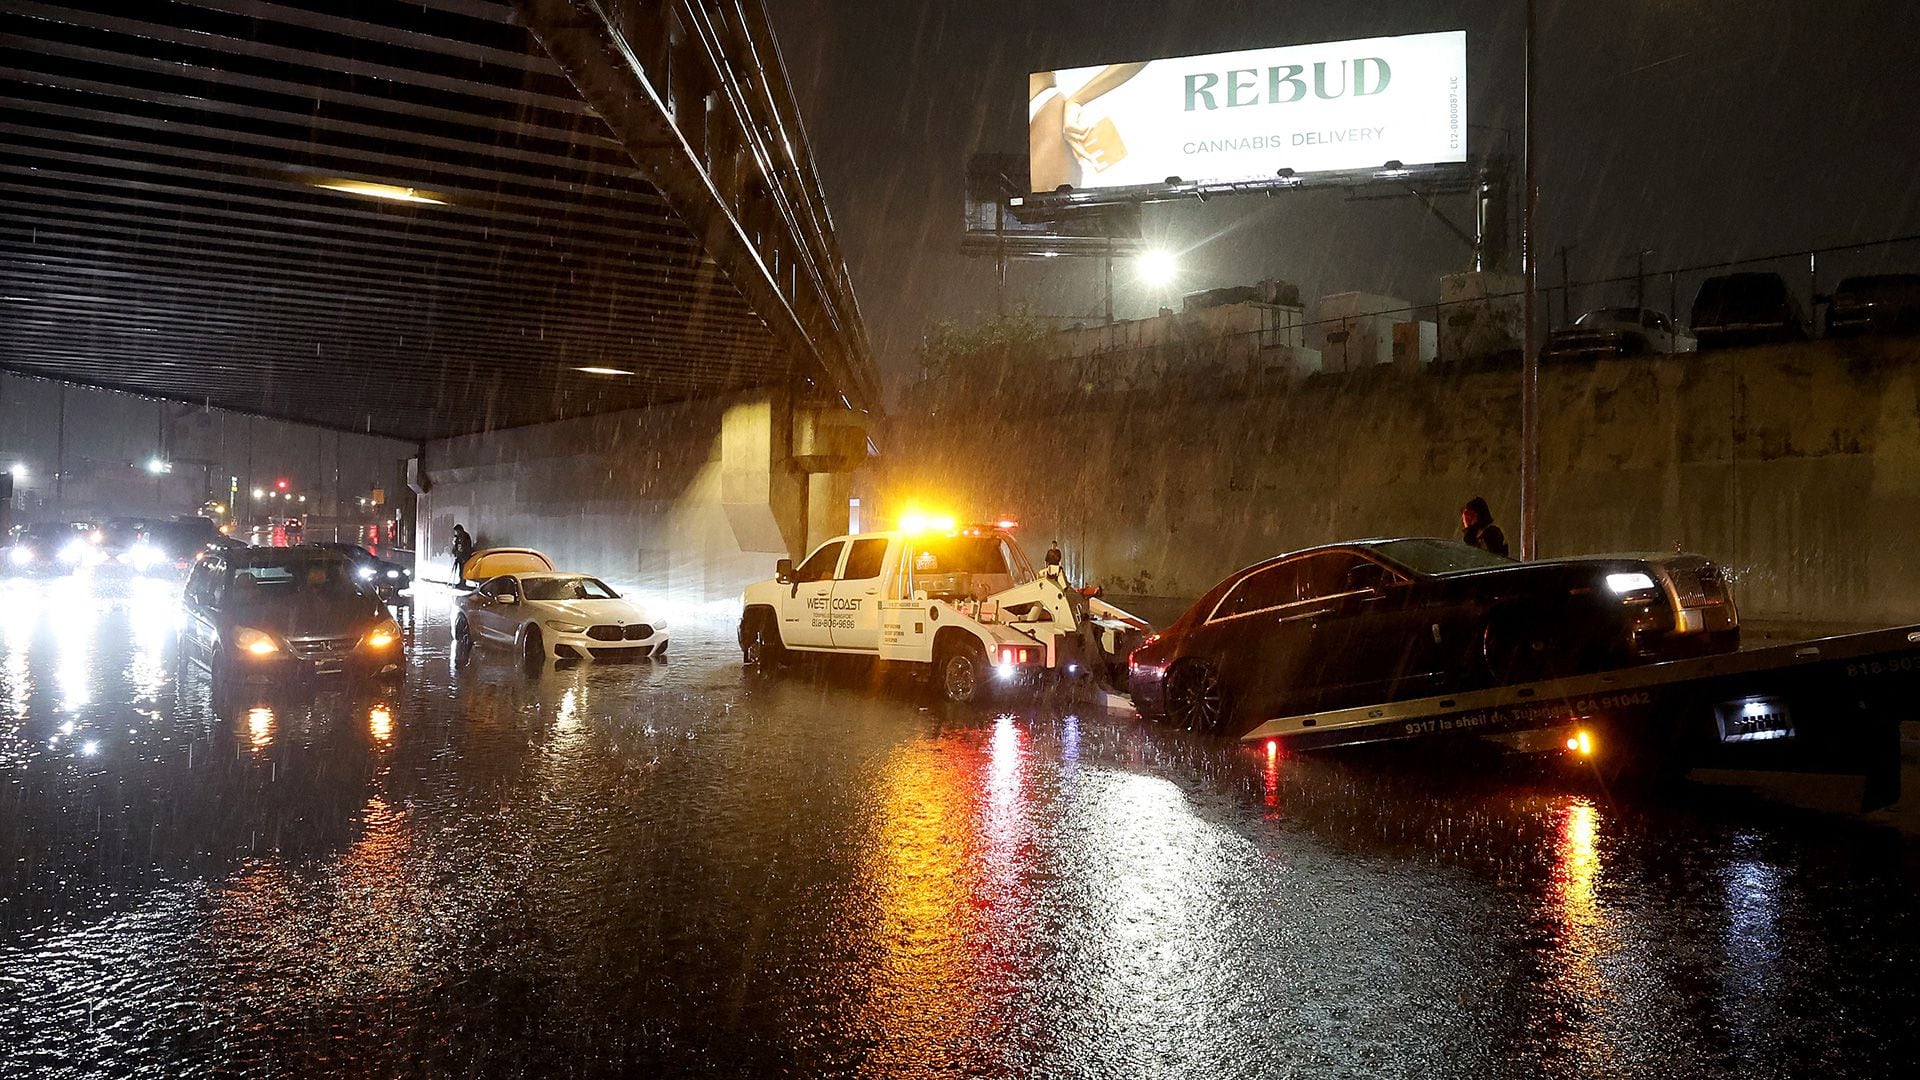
x,y
675,866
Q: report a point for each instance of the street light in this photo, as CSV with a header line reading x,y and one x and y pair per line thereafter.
x,y
156,466
19,473
258,494
1158,267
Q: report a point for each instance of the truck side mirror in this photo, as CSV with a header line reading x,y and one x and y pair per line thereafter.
x,y
783,571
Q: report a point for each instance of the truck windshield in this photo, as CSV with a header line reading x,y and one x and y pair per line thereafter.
x,y
960,555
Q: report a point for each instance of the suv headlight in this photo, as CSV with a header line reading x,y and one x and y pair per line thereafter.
x,y
384,634
256,642
565,627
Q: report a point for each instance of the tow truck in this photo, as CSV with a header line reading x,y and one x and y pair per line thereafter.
x,y
1831,705
962,601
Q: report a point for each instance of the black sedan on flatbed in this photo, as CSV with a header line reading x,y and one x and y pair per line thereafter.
x,y
1383,620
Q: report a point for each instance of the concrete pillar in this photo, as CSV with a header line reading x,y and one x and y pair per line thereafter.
x,y
762,491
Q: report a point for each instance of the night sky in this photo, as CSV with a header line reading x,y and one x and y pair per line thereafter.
x,y
1705,130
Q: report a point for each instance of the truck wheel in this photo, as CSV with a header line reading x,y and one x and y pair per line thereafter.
x,y
961,671
1196,700
762,647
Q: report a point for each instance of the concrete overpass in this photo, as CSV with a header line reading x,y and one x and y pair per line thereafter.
x,y
574,250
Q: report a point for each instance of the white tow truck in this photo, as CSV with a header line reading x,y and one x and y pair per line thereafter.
x,y
963,600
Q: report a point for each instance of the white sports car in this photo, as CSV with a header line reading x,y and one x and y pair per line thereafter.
x,y
566,616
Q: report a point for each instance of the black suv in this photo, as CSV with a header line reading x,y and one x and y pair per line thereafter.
x,y
1753,308
1875,304
278,614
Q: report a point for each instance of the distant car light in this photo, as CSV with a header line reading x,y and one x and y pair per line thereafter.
x,y
257,642
565,627
1625,584
393,573
21,555
77,551
365,573
143,556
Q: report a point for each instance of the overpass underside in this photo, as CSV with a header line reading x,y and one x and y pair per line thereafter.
x,y
435,220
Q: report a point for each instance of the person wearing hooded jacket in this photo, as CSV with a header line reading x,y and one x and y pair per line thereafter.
x,y
1478,530
461,549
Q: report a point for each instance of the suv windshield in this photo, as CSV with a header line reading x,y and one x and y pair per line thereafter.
x,y
1437,556
566,588
306,577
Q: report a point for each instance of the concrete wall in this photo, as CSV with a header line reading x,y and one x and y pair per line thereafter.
x,y
1797,466
689,502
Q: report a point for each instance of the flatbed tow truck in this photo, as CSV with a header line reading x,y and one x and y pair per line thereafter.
x,y
1830,705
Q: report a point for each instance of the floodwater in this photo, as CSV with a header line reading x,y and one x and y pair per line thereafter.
x,y
681,868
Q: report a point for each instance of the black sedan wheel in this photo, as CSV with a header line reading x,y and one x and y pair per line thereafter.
x,y
1196,700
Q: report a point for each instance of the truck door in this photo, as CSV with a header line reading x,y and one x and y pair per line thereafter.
x,y
806,613
857,594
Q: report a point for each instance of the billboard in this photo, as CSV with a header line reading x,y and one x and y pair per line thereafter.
x,y
1244,116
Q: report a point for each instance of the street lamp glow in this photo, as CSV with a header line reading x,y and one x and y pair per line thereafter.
x,y
1158,267
156,466
19,472
258,494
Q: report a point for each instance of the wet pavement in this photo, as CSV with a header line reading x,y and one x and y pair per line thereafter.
x,y
681,867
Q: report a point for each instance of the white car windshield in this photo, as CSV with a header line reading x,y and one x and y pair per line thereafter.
x,y
566,588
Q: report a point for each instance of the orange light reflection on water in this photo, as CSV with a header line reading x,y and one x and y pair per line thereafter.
x,y
260,727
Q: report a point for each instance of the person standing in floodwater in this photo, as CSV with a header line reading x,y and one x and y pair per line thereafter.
x,y
462,549
1478,530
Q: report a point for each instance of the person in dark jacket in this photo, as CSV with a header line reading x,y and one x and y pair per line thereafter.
x,y
462,549
1478,530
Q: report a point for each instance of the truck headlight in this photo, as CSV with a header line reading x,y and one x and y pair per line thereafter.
x,y
565,627
1629,583
255,642
365,573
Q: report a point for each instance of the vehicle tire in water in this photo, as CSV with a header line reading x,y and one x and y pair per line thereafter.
x,y
960,671
763,647
533,648
462,633
1196,700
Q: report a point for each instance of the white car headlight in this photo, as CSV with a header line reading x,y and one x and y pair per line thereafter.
x,y
565,627
75,551
144,555
21,555
393,573
1632,582
365,573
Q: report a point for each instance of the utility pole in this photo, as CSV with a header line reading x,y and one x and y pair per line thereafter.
x,y
1530,354
1566,288
1640,278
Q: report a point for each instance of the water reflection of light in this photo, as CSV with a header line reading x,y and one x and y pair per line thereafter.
x,y
1580,957
74,630
260,726
380,723
921,883
1753,991
1270,776
566,716
153,617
